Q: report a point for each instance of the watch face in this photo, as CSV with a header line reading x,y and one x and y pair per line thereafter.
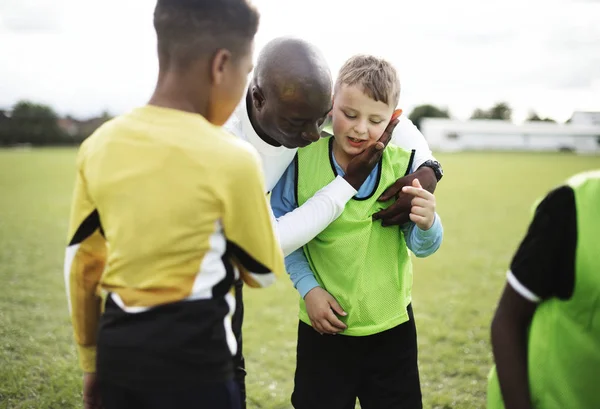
x,y
437,168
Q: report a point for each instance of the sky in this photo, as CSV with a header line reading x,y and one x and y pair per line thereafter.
x,y
83,57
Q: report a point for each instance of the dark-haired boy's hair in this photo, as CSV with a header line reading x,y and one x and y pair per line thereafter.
x,y
189,29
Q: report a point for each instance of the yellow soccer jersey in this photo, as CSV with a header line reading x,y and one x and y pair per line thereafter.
x,y
167,208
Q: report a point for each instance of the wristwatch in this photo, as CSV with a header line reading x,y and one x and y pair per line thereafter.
x,y
435,166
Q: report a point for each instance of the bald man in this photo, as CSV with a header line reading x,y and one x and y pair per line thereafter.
x,y
287,102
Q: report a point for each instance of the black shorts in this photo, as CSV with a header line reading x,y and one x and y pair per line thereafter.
x,y
381,370
214,395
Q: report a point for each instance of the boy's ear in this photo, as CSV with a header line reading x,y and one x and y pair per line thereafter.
x,y
219,65
258,97
396,114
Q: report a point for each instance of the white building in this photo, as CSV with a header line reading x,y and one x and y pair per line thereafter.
x,y
482,134
585,118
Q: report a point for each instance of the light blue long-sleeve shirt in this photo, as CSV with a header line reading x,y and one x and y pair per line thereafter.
x,y
283,200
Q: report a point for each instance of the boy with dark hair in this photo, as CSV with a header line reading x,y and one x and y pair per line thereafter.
x,y
168,211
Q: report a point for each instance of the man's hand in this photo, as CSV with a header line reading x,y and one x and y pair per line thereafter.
x,y
361,165
398,213
320,306
91,392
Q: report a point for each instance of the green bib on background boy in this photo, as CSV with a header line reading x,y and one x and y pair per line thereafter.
x,y
564,337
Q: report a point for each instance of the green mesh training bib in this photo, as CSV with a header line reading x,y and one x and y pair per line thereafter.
x,y
366,267
564,337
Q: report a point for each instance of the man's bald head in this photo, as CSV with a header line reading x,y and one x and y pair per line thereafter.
x,y
291,91
286,65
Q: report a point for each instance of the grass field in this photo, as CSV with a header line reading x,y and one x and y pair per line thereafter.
x,y
484,201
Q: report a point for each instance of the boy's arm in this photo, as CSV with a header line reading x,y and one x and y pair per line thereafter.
x,y
85,260
251,239
425,232
424,243
543,267
509,341
300,272
407,136
321,306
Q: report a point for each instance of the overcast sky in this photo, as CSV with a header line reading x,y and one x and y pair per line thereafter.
x,y
83,56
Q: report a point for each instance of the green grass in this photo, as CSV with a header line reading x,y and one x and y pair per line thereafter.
x,y
484,201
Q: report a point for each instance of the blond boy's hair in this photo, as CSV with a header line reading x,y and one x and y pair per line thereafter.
x,y
376,76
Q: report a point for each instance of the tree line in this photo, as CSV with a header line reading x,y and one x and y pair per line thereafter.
x,y
501,111
30,123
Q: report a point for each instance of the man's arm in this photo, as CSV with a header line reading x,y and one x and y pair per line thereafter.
x,y
297,226
247,225
302,224
320,305
407,136
283,202
543,267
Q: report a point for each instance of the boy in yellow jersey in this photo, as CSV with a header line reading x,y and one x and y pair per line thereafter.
x,y
168,211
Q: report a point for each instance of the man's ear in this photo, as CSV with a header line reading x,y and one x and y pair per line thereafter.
x,y
219,65
258,97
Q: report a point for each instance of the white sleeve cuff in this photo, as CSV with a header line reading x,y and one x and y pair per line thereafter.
x,y
521,289
303,224
340,191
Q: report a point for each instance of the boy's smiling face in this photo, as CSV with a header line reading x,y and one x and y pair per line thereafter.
x,y
358,120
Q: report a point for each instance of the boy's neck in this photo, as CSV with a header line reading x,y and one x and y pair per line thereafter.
x,y
341,157
172,92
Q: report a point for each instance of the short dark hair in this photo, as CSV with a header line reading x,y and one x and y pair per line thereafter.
x,y
189,29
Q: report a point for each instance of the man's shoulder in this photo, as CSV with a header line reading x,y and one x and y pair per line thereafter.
x,y
406,127
237,152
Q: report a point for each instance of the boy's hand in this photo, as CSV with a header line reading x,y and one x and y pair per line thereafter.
x,y
91,392
319,306
361,165
398,213
422,212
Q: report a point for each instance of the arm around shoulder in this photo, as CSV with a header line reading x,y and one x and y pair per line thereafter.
x,y
297,225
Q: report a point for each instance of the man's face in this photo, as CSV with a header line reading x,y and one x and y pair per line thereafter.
x,y
293,116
